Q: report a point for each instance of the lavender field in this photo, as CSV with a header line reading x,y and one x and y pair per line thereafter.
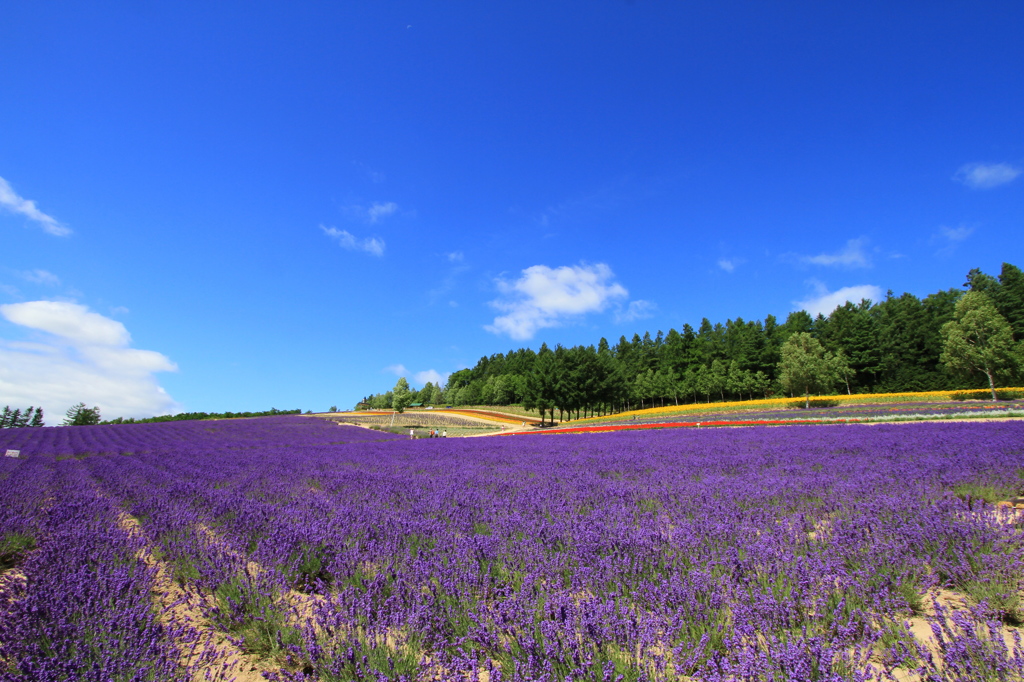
x,y
290,548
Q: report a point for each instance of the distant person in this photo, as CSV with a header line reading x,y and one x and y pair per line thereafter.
x,y
445,434
410,434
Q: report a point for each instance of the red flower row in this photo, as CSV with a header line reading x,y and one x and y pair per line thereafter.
x,y
674,425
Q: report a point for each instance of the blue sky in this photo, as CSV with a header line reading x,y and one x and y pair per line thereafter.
x,y
238,206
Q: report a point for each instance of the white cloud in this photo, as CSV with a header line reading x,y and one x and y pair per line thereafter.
x,y
986,175
825,302
955,234
729,265
10,200
947,239
430,375
40,277
456,257
68,320
851,256
547,297
81,356
381,210
636,310
349,241
419,379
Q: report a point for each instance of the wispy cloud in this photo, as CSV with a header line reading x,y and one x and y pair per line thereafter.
x,y
40,277
10,201
986,175
349,241
949,238
374,213
636,310
549,297
450,277
419,379
955,234
431,376
375,176
577,207
824,301
729,264
850,256
79,356
378,210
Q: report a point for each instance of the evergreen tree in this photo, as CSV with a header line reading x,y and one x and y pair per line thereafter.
x,y
761,383
719,377
704,382
851,329
688,383
487,392
1010,299
540,386
673,354
771,352
37,418
80,415
423,395
978,281
908,336
609,383
643,387
666,385
23,420
797,322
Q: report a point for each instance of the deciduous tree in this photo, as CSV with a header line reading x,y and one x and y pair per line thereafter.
x,y
807,367
979,339
401,396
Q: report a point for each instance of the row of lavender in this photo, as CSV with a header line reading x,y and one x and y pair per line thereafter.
x,y
75,600
340,554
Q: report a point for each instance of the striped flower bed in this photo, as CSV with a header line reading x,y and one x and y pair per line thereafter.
x,y
675,425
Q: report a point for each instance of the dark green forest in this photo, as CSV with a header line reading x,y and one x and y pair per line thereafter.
x,y
893,345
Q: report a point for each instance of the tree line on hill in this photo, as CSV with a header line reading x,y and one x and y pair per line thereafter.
x,y
80,415
16,419
901,343
188,416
